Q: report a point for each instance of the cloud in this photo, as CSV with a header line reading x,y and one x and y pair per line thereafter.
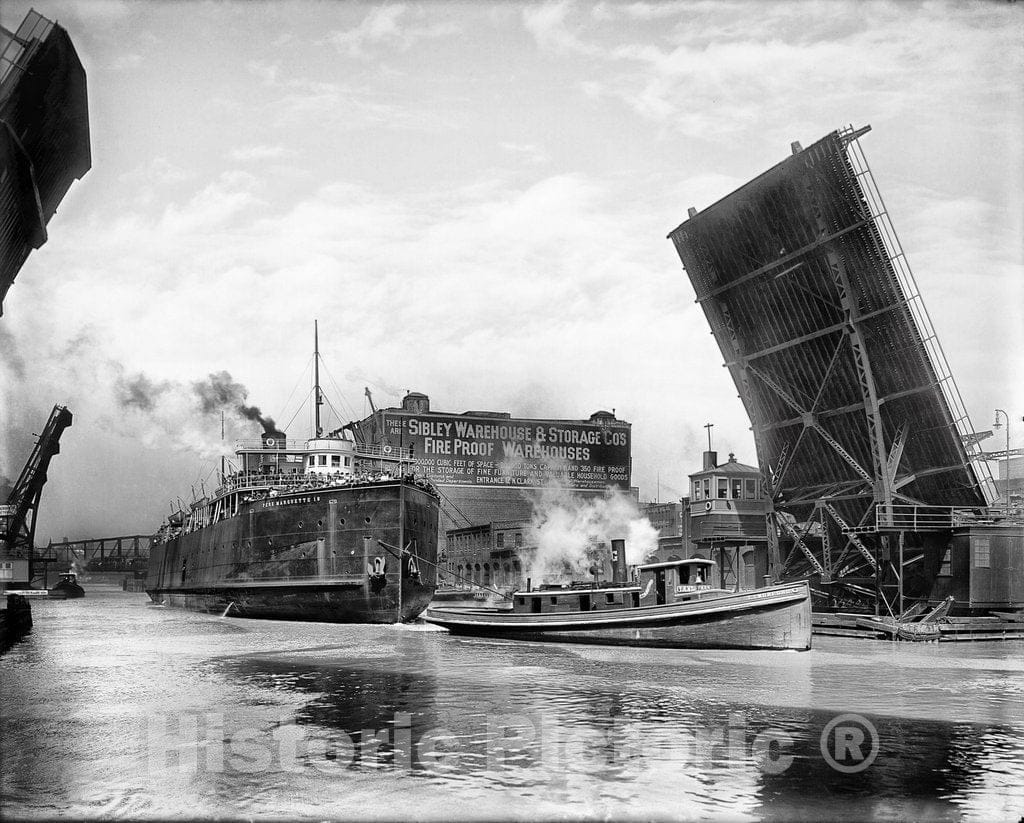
x,y
157,172
548,23
528,152
389,25
711,74
253,153
124,62
267,72
491,230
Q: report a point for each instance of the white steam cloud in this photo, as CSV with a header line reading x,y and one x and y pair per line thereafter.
x,y
573,534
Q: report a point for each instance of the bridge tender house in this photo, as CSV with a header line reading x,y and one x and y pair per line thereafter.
x,y
474,451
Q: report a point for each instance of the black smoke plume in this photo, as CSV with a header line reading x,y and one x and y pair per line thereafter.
x,y
218,392
138,392
253,413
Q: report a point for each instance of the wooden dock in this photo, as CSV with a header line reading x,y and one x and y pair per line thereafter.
x,y
1005,626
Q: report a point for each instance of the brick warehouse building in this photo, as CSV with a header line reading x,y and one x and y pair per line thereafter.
x,y
489,466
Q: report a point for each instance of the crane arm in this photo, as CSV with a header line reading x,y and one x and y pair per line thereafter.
x,y
18,516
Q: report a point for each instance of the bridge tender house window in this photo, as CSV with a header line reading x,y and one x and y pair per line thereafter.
x,y
981,553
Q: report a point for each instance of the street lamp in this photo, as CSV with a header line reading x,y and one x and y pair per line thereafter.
x,y
996,425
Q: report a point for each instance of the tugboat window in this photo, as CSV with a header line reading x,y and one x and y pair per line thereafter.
x,y
554,601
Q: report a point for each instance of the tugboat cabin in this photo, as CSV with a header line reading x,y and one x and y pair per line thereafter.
x,y
676,581
659,584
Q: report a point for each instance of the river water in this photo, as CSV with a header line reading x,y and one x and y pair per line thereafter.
x,y
115,708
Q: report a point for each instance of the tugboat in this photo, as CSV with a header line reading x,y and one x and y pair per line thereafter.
x,y
324,529
67,587
671,605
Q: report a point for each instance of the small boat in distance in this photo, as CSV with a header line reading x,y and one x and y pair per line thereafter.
x,y
67,587
672,605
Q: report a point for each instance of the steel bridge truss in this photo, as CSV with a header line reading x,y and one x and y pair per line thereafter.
x,y
853,406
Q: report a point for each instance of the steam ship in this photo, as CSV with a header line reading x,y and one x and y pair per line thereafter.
x,y
324,529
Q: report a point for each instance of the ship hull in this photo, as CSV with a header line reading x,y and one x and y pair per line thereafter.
x,y
329,555
772,618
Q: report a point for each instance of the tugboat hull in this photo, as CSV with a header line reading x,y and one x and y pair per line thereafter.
x,y
778,617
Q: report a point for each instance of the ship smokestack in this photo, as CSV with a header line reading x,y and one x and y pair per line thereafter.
x,y
270,430
618,561
710,460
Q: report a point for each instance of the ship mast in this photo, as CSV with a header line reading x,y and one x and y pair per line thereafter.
x,y
316,381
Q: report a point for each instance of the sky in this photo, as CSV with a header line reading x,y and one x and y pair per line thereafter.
x,y
473,201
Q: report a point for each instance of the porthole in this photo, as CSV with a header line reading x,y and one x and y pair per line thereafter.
x,y
320,524
300,524
342,521
367,519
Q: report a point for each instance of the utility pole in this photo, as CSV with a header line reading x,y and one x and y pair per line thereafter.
x,y
996,426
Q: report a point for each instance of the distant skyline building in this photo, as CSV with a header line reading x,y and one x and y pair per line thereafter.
x,y
44,135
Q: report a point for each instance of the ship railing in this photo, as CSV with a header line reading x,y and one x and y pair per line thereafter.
x,y
384,451
270,445
375,451
266,483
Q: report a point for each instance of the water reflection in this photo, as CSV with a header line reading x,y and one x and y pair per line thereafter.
x,y
546,721
112,709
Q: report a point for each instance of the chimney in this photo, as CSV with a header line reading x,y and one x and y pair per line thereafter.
x,y
618,561
710,460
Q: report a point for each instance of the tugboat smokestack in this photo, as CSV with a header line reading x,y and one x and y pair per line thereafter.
x,y
618,561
